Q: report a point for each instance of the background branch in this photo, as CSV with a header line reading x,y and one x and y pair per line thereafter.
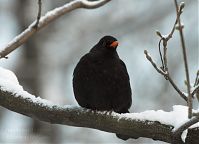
x,y
45,20
164,40
39,14
166,75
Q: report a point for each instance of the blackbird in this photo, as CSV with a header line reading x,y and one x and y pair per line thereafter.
x,y
101,81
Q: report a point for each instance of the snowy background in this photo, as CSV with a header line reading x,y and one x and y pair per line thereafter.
x,y
44,65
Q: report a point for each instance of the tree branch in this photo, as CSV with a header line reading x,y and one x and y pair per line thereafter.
x,y
164,68
192,136
178,132
45,20
80,117
165,74
131,124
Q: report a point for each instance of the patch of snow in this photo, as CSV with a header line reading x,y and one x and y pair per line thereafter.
x,y
9,82
176,118
55,11
69,106
184,135
186,94
8,75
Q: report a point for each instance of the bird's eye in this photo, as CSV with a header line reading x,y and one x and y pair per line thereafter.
x,y
104,43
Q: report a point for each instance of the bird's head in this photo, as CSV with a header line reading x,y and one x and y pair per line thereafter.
x,y
108,42
106,45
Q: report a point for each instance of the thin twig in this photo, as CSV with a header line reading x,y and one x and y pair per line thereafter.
x,y
196,114
45,20
153,63
159,46
165,74
195,91
165,54
177,89
180,28
179,12
39,14
196,79
165,38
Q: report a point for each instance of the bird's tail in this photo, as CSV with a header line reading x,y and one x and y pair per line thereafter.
x,y
123,137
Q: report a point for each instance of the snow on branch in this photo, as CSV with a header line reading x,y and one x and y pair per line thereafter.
x,y
158,125
45,20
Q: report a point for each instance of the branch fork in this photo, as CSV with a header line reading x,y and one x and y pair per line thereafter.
x,y
43,21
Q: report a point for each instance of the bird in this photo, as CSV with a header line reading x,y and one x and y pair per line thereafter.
x,y
101,81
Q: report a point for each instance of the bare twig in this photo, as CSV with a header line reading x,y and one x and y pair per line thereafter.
x,y
165,74
177,89
159,46
197,79
180,28
196,114
195,90
153,63
45,20
39,14
165,38
165,54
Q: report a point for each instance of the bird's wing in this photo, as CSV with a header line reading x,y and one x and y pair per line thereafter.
x,y
125,69
81,62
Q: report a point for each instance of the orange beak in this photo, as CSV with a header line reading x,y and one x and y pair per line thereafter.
x,y
114,44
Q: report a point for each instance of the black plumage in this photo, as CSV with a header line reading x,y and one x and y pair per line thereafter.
x,y
101,81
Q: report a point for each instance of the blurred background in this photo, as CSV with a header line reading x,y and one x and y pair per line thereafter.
x,y
44,65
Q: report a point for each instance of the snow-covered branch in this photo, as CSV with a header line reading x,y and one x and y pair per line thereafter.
x,y
77,116
45,20
157,125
